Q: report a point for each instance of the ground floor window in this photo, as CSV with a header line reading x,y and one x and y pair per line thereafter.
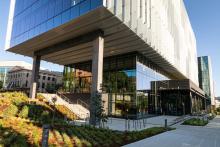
x,y
129,82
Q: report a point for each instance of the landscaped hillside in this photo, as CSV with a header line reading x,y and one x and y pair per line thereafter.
x,y
21,123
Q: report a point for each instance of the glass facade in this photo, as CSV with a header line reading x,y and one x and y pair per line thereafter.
x,y
126,78
146,73
34,17
204,75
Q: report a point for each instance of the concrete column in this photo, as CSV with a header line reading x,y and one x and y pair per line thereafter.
x,y
191,103
97,73
34,77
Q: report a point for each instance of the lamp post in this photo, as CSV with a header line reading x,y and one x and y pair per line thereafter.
x,y
54,99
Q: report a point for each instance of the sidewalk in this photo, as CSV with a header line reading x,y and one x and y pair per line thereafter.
x,y
131,125
185,136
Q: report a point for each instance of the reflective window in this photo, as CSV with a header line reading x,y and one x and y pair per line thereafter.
x,y
66,16
35,17
74,12
85,7
50,24
57,20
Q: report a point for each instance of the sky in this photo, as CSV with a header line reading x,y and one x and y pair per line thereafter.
x,y
205,20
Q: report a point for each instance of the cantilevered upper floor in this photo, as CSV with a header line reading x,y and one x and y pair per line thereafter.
x,y
60,31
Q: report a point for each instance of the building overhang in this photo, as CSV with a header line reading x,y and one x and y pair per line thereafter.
x,y
53,47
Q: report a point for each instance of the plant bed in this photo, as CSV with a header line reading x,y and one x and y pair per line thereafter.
x,y
8,137
195,122
24,120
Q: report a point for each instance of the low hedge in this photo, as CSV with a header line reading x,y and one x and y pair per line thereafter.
x,y
195,122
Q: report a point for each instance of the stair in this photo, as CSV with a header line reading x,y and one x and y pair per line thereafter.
x,y
79,110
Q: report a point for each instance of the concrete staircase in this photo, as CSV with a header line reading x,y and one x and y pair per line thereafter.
x,y
79,109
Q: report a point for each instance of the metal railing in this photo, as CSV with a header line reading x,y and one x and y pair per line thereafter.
x,y
79,102
64,97
82,103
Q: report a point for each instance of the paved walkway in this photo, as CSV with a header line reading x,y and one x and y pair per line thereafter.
x,y
185,136
122,124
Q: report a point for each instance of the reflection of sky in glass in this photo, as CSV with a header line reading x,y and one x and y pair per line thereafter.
x,y
145,75
130,73
34,17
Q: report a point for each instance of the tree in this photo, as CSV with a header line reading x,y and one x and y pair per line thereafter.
x,y
1,84
97,110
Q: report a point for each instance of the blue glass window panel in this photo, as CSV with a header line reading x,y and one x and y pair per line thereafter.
x,y
25,36
27,23
50,11
43,27
22,26
36,6
84,7
74,12
66,4
31,33
32,20
50,24
43,14
96,3
57,20
58,6
38,19
66,16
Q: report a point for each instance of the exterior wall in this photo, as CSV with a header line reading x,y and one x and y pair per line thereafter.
x,y
31,18
165,26
205,77
22,79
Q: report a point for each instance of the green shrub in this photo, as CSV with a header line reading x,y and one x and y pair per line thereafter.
x,y
195,122
12,110
24,112
45,117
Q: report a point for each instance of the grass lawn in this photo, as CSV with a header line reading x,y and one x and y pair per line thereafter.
x,y
195,122
21,125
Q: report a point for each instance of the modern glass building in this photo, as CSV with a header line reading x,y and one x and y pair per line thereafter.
x,y
118,46
205,77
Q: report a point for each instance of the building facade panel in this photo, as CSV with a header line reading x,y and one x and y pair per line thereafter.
x,y
165,26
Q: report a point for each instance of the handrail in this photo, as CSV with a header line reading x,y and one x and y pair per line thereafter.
x,y
82,103
64,97
68,101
